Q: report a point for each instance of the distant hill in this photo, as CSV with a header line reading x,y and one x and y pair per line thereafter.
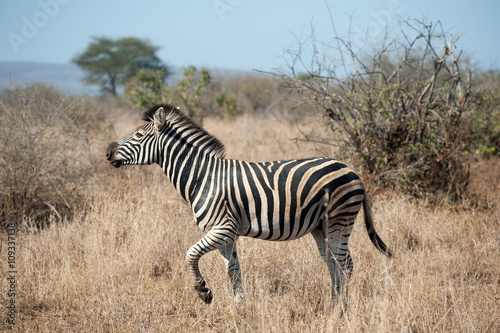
x,y
69,78
66,77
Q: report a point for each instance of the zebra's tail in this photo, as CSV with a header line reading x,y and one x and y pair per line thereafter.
x,y
374,237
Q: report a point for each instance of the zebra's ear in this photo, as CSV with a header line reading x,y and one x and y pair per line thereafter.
x,y
159,119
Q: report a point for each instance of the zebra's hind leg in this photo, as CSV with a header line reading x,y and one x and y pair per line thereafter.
x,y
214,239
339,263
230,255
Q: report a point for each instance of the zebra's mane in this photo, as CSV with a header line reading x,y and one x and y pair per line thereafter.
x,y
176,118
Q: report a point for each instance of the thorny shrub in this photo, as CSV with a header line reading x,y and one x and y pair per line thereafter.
x,y
45,157
402,113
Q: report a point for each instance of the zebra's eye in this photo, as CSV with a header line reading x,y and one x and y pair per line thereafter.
x,y
138,135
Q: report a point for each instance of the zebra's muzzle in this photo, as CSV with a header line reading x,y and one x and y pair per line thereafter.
x,y
111,155
116,163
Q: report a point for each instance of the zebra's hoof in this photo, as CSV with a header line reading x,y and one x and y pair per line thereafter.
x,y
238,298
206,295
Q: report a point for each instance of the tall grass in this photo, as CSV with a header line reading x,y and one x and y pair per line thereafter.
x,y
120,266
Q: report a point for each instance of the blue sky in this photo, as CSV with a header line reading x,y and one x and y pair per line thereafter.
x,y
231,34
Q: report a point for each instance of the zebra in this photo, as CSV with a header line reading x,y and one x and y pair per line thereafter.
x,y
278,201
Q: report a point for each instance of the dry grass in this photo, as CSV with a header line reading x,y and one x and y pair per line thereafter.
x,y
121,268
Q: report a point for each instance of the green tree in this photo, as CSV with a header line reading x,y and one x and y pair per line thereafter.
x,y
112,62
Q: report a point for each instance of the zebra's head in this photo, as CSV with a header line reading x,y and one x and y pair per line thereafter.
x,y
140,146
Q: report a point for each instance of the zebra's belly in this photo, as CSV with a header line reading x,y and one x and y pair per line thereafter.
x,y
279,228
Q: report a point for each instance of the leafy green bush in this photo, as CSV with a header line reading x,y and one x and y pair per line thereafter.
x,y
227,105
485,115
146,88
45,157
199,93
189,92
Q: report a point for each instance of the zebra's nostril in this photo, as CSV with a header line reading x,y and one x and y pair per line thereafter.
x,y
108,155
109,151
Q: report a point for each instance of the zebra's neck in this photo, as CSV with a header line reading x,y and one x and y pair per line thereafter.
x,y
185,164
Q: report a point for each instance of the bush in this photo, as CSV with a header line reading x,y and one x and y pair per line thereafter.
x,y
404,112
190,92
199,93
226,105
45,157
146,88
485,115
253,93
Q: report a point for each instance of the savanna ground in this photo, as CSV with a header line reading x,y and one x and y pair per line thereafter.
x,y
119,267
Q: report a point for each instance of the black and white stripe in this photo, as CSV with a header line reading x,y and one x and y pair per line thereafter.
x,y
278,201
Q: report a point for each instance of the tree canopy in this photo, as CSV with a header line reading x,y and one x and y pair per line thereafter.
x,y
112,62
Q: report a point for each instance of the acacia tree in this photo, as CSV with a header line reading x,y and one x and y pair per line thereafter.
x,y
112,62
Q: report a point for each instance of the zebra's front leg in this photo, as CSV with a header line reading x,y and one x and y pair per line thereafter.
x,y
214,239
230,254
